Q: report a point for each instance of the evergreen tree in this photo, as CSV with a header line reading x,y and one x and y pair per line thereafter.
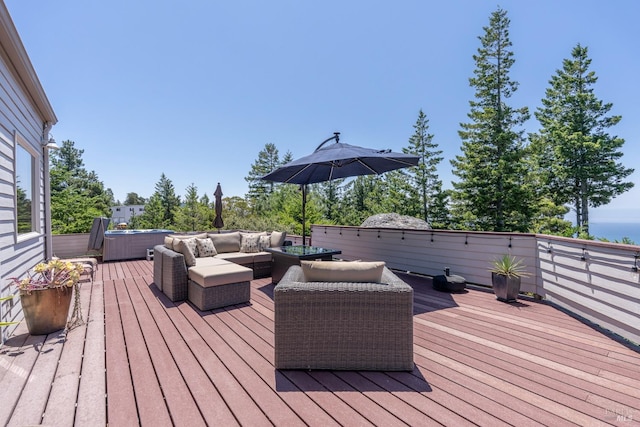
x,y
168,199
77,195
191,216
493,193
577,158
392,194
153,215
134,199
426,187
360,197
24,210
329,193
207,211
259,190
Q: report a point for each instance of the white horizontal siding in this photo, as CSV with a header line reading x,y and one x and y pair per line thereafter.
x,y
17,114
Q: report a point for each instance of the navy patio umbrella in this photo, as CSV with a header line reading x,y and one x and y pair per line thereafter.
x,y
338,160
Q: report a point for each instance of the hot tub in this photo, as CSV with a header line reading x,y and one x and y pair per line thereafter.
x,y
131,244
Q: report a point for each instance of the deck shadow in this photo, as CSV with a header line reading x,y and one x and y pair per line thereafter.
x,y
350,381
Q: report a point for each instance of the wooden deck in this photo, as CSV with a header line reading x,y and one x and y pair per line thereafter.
x,y
141,359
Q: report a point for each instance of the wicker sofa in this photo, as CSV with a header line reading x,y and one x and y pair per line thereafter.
x,y
179,270
343,325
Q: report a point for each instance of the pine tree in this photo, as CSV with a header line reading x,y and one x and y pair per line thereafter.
x,y
77,195
492,193
168,199
425,185
577,158
153,215
259,190
191,216
329,194
134,199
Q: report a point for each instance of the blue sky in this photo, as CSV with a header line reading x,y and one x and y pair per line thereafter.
x,y
195,89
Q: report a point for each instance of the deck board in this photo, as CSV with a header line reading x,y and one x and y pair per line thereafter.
x,y
142,359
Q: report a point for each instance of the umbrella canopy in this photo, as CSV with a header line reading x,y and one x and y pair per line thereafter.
x,y
338,160
218,222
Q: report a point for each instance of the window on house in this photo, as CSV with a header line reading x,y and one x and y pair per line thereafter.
x,y
25,202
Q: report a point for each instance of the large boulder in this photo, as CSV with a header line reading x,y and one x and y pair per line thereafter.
x,y
393,220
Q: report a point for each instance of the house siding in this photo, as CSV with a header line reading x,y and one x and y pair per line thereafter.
x,y
25,114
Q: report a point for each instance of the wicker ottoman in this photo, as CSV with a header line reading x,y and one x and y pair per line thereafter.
x,y
219,285
343,325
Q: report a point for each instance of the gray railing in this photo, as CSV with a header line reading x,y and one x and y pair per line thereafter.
x,y
595,280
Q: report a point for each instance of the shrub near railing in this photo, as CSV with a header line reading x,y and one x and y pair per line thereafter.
x,y
595,280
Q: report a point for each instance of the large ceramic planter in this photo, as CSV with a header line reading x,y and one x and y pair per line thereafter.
x,y
505,288
46,310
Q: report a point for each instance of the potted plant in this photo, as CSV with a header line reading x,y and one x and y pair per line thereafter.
x,y
46,295
505,277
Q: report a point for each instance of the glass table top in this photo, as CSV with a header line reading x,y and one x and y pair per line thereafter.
x,y
303,250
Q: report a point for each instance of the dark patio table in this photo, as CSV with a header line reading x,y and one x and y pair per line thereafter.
x,y
284,257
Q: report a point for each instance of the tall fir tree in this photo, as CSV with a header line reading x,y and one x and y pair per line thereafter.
x,y
426,188
259,190
577,158
191,216
492,193
77,195
153,215
168,199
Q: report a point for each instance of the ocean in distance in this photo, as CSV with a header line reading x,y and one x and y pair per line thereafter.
x,y
615,231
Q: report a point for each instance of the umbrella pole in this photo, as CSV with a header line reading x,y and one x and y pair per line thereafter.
x,y
304,207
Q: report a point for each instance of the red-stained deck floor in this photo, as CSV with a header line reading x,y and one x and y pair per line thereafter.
x,y
141,359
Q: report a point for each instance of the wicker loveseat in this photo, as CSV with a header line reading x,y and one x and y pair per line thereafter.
x,y
343,325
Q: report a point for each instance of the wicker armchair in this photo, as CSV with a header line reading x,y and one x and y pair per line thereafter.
x,y
346,326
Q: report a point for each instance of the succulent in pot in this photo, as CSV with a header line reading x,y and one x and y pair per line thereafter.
x,y
46,294
506,274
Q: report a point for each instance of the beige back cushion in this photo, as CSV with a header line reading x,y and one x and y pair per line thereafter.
x,y
249,242
337,271
226,242
205,248
277,238
177,237
184,246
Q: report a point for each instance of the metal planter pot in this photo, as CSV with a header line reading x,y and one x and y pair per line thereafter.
x,y
505,288
46,310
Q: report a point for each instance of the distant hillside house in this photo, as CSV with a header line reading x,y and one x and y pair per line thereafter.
x,y
124,213
26,117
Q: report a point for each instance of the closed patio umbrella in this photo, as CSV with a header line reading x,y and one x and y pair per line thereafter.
x,y
338,160
218,222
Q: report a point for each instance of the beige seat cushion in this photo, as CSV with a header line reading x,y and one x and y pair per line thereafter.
x,y
237,257
262,257
207,261
330,271
216,275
